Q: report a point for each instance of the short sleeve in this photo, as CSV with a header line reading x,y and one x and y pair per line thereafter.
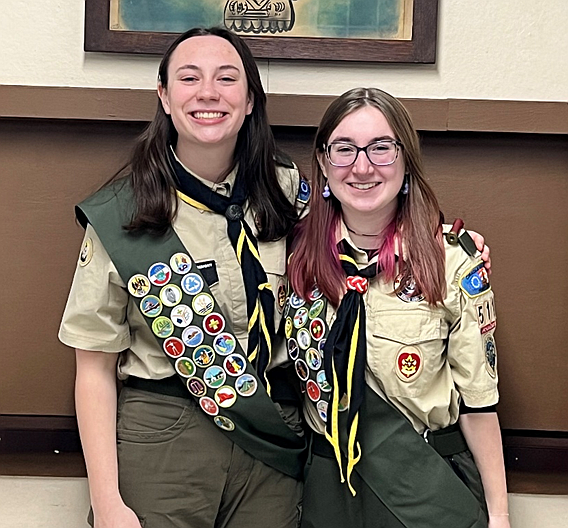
x,y
95,314
472,352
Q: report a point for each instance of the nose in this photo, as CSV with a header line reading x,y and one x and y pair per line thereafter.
x,y
362,165
207,90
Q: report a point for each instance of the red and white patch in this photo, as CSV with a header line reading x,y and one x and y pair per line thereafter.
x,y
408,363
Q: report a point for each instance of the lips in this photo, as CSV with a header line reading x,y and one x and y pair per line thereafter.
x,y
364,186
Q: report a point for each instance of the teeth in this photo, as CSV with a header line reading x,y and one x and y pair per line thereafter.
x,y
207,115
363,186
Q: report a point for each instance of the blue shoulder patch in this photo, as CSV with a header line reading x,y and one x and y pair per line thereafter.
x,y
475,282
304,191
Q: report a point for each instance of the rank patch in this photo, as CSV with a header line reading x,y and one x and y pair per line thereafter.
x,y
86,252
408,363
475,282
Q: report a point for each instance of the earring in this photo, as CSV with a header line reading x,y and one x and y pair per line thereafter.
x,y
406,186
326,192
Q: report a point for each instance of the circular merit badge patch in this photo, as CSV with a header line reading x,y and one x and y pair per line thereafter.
x,y
224,423
138,285
86,252
408,363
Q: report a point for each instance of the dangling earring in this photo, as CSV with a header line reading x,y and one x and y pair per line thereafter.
x,y
405,186
326,192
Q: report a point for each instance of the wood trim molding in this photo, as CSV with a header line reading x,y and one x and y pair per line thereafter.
x,y
115,104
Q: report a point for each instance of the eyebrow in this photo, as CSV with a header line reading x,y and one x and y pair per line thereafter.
x,y
194,67
345,139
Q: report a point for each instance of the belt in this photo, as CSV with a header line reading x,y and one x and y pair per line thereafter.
x,y
169,386
446,442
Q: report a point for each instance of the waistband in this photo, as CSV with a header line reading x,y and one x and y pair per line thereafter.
x,y
171,386
446,442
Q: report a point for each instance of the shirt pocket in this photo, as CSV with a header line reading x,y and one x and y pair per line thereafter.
x,y
406,351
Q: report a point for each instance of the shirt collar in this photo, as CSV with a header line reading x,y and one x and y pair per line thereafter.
x,y
224,188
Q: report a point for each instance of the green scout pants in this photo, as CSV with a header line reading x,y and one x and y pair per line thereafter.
x,y
328,503
177,469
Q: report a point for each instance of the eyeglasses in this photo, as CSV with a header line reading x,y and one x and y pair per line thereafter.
x,y
378,153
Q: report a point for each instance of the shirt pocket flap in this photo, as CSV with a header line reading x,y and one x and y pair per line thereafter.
x,y
409,328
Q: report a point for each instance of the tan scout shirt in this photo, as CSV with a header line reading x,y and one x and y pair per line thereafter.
x,y
426,358
101,316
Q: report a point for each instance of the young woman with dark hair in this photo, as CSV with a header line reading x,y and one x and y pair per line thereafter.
x,y
391,329
173,292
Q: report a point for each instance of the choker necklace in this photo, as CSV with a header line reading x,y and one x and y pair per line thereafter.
x,y
359,234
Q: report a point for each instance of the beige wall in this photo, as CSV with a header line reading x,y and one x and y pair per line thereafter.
x,y
487,49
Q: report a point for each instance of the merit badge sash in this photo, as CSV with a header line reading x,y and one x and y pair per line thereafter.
x,y
400,468
193,333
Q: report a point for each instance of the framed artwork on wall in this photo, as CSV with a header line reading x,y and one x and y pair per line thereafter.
x,y
399,31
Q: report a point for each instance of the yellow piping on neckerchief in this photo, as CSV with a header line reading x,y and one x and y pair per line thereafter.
x,y
258,313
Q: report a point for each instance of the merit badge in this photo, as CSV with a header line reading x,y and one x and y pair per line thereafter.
x,y
192,284
475,281
171,295
490,355
313,390
139,285
304,191
304,339
180,263
224,344
185,367
313,359
321,345
301,369
295,301
322,410
408,363
281,294
315,294
343,403
214,376
209,406
159,274
173,347
293,349
151,306
181,315
203,356
162,327
235,364
86,252
224,423
288,326
225,396
203,304
196,387
322,381
214,323
409,292
192,336
316,309
317,328
301,317
246,385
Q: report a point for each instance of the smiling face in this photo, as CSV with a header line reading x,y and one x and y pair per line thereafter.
x,y
366,191
206,94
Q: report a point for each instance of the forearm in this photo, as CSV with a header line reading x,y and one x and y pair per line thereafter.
x,y
96,402
483,437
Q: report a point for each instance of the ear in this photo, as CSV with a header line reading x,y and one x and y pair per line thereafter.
x,y
163,95
250,103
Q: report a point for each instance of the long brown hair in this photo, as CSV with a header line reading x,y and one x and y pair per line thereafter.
x,y
153,178
416,226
